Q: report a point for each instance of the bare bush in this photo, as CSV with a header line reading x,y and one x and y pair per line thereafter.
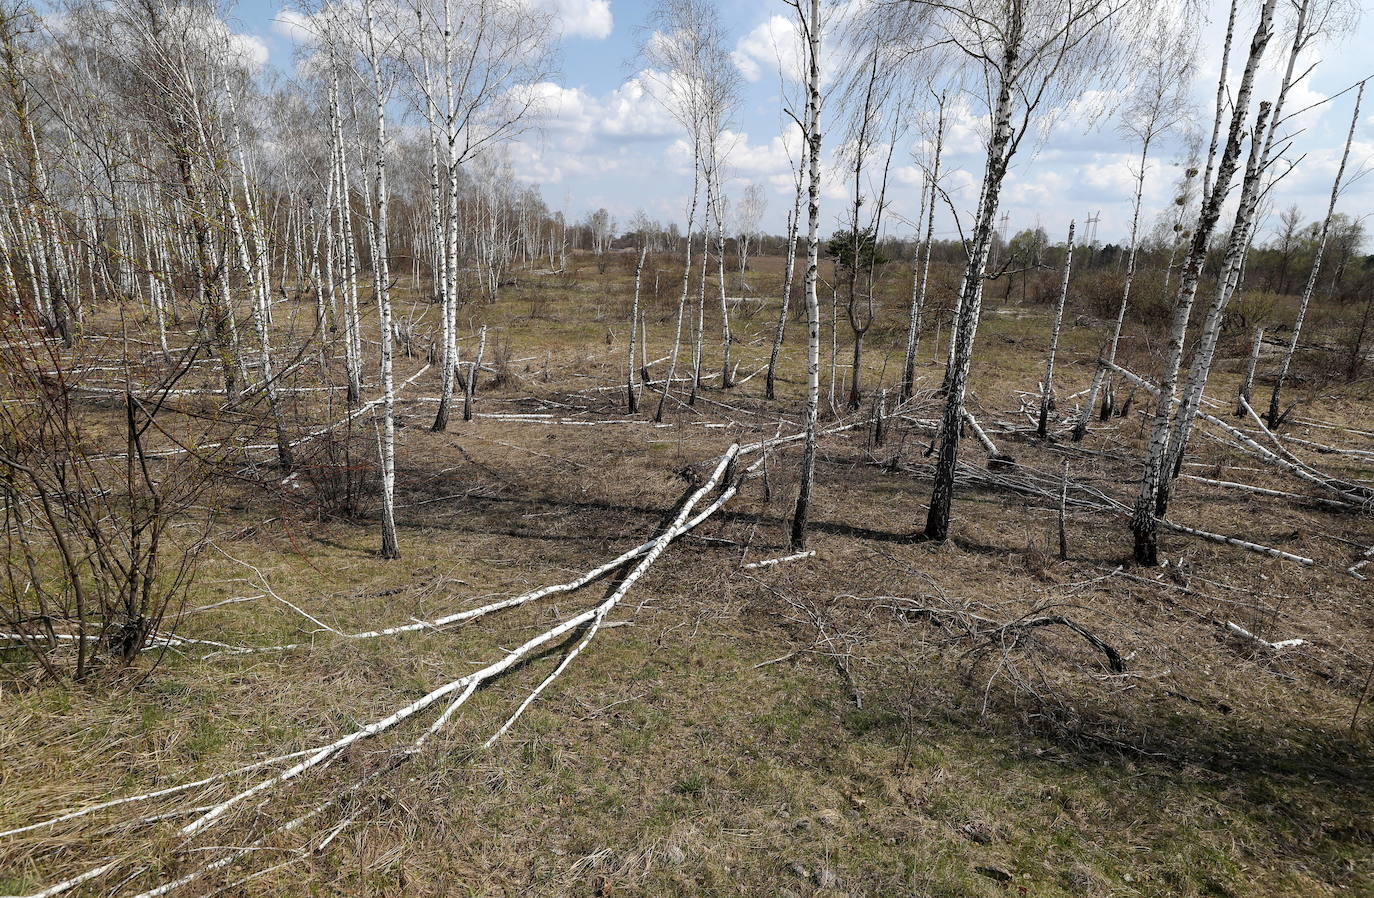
x,y
100,547
340,475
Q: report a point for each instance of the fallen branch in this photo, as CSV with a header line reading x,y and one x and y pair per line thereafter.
x,y
1238,543
1353,493
768,562
468,684
1274,646
1114,659
995,458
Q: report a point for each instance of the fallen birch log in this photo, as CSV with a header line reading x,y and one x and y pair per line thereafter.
x,y
769,562
592,620
1098,501
467,684
258,447
1238,543
1278,494
149,796
1275,646
995,458
1353,493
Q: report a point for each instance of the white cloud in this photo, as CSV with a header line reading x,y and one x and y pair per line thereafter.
x,y
249,50
776,157
293,25
772,46
582,18
776,46
584,135
630,112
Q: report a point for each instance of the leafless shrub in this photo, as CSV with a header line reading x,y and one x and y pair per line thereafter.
x,y
503,374
100,547
1249,309
339,477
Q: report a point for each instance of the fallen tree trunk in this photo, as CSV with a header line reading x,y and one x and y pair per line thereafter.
x,y
458,691
1355,494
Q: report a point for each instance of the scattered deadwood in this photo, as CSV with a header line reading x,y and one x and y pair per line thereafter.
x,y
1353,493
1028,482
628,569
996,459
1114,659
1272,646
987,633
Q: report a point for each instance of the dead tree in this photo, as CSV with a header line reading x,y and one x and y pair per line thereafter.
x,y
680,51
631,391
1243,393
793,226
1047,386
920,275
810,24
1143,524
1305,30
1310,287
1158,104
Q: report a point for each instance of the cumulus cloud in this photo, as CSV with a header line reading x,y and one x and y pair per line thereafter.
x,y
773,45
574,18
776,45
630,112
248,49
296,26
583,135
582,18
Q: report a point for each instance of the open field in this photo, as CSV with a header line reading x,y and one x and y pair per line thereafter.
x,y
866,721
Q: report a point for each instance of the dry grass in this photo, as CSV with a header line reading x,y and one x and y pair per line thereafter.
x,y
885,757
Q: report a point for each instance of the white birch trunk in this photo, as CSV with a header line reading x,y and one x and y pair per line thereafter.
x,y
686,287
381,277
793,226
1047,386
1243,394
812,26
1274,416
1103,378
1143,523
971,293
256,272
918,290
1232,265
631,391
726,378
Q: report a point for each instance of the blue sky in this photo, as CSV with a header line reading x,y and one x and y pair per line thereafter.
x,y
605,141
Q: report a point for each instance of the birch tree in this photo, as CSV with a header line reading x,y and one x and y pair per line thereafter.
x,y
491,55
797,165
631,390
748,213
869,93
1022,57
677,50
1312,18
1274,417
1143,522
1158,103
788,276
1056,321
810,24
381,279
920,269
